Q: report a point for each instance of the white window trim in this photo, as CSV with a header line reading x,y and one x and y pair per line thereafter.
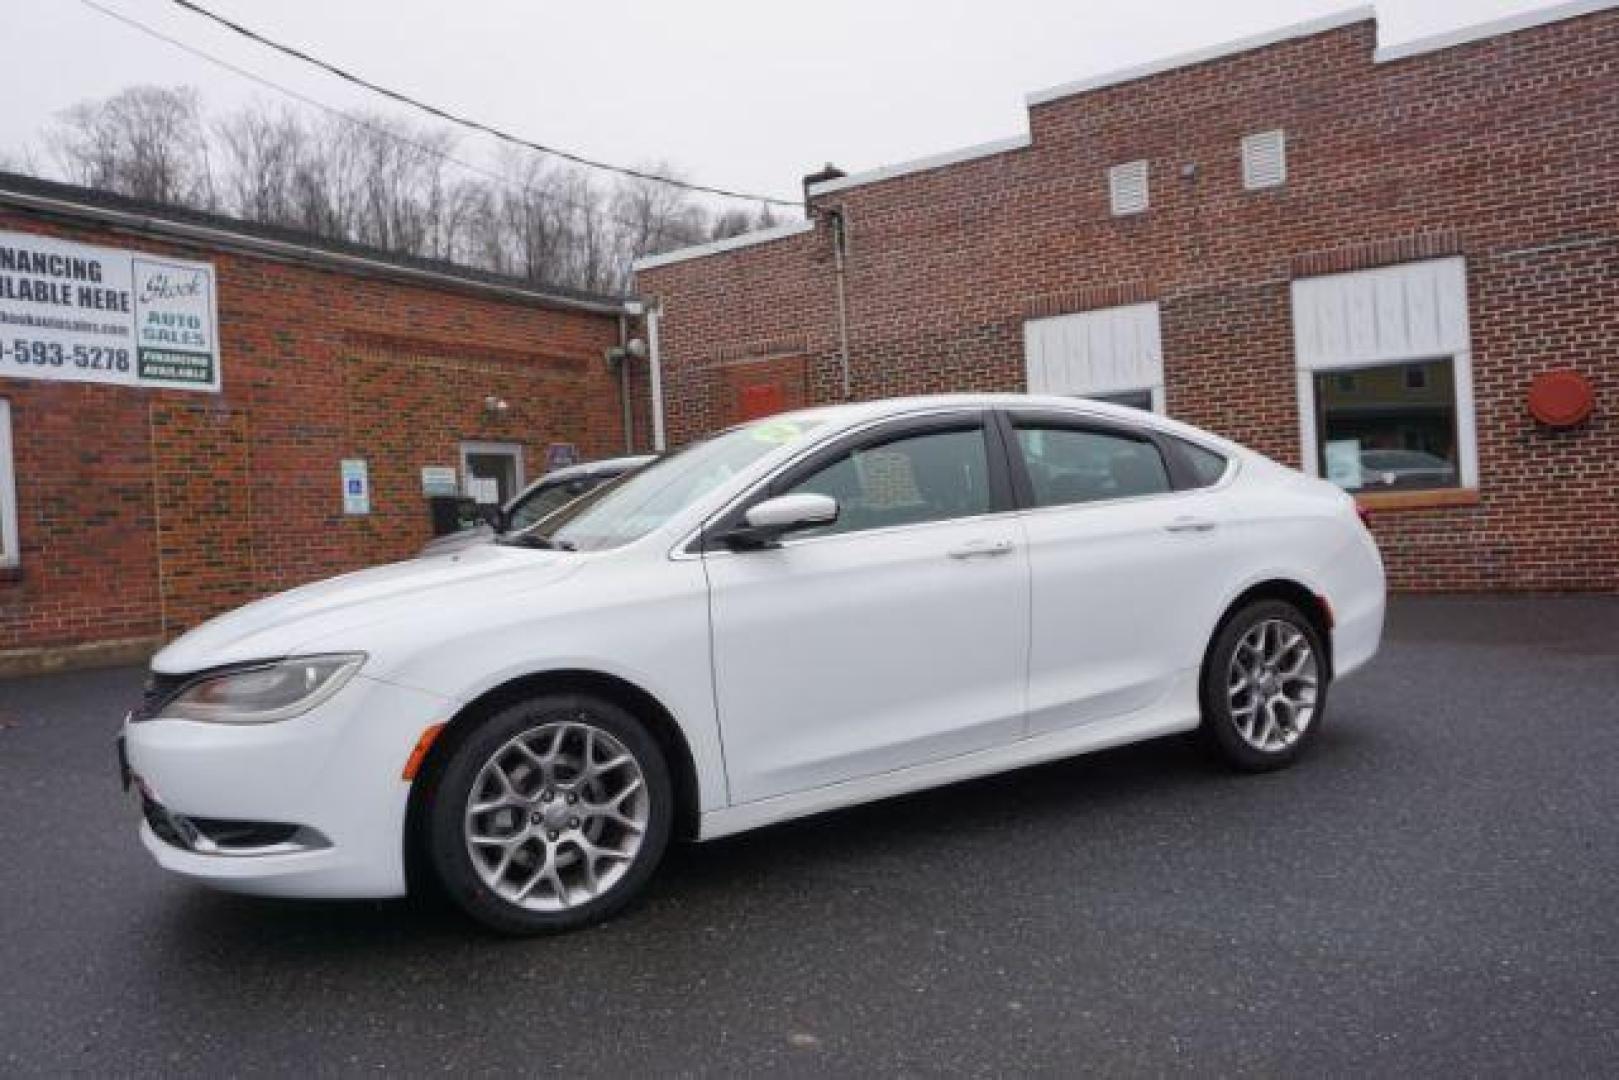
x,y
1156,390
10,555
1461,380
1445,334
510,448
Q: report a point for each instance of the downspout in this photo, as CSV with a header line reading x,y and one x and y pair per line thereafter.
x,y
835,222
654,312
624,381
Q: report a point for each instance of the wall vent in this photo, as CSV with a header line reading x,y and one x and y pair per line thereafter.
x,y
1264,160
1127,188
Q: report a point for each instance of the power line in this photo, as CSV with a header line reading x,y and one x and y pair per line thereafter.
x,y
376,129
467,122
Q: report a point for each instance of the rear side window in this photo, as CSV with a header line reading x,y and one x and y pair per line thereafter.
x,y
932,477
1076,465
1207,467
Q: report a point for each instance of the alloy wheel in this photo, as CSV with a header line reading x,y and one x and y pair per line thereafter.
x,y
557,815
1271,683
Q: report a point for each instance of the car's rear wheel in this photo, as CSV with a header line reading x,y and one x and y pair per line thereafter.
x,y
1264,686
550,815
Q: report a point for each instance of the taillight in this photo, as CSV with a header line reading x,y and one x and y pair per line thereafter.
x,y
1364,514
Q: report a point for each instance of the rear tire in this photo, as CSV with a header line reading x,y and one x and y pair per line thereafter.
x,y
1264,689
550,815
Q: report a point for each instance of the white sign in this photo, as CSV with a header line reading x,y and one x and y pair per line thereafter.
x,y
439,480
1343,463
484,492
91,314
356,487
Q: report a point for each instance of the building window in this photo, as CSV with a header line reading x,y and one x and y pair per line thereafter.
x,y
1139,398
1391,432
1127,188
1385,377
492,473
1264,160
1108,354
9,552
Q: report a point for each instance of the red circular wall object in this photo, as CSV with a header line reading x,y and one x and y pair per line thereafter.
x,y
1561,398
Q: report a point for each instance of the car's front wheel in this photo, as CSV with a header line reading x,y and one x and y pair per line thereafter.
x,y
550,815
1264,686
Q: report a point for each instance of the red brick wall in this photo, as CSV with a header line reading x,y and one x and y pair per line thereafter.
x,y
1505,151
142,512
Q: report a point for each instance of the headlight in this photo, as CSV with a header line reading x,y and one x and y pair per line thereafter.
x,y
278,690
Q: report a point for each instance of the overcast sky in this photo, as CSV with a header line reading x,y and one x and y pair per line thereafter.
x,y
746,94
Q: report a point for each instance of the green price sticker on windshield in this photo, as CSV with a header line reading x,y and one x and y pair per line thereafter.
x,y
777,432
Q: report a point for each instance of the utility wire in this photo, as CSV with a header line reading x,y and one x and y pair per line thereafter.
x,y
376,129
467,122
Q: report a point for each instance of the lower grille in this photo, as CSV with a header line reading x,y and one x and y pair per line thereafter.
x,y
219,836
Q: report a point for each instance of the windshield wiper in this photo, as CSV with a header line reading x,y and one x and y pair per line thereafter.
x,y
534,540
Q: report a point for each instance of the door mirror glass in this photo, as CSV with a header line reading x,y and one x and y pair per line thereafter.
x,y
772,519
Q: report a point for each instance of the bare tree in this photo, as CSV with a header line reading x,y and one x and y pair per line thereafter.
x,y
377,180
148,142
657,217
261,154
730,222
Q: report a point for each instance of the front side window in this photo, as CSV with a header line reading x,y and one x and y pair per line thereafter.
x,y
907,481
637,503
1391,428
1079,465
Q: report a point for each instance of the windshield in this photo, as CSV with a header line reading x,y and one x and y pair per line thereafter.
x,y
639,502
543,502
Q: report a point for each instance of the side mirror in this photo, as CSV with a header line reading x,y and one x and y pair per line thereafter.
x,y
493,516
766,523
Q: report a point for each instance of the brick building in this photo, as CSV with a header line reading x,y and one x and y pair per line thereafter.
x,y
132,507
1357,260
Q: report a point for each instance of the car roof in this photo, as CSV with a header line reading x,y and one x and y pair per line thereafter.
x,y
838,417
596,468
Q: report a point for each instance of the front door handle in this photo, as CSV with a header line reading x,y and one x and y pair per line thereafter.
x,y
974,549
1190,525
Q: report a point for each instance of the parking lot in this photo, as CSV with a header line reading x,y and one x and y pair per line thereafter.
x,y
1435,888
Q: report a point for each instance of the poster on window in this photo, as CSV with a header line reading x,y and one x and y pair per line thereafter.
x,y
91,314
1343,463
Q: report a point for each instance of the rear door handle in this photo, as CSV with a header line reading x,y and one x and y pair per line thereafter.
x,y
974,549
1190,525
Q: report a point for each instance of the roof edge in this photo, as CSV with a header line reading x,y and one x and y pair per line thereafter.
x,y
730,243
1337,20
922,164
88,204
1466,35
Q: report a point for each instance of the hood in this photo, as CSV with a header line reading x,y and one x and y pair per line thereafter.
x,y
331,615
459,540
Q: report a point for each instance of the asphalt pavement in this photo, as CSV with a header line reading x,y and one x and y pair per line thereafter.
x,y
1434,890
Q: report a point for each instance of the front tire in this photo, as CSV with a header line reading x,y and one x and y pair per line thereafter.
x,y
550,815
1264,687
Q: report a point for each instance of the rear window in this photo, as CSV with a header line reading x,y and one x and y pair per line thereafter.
x,y
1207,466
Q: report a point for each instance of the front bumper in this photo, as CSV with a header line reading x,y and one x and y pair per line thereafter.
x,y
313,806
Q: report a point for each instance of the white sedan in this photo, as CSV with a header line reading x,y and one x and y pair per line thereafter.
x,y
797,614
